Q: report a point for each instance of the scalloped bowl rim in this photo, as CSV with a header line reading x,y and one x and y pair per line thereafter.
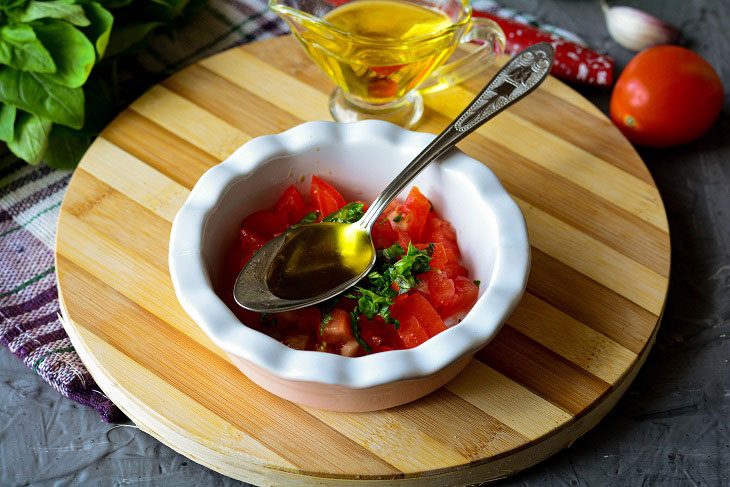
x,y
195,292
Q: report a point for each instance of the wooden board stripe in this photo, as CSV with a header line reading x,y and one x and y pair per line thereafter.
x,y
571,339
594,259
162,150
557,155
255,116
248,71
570,203
140,182
188,121
574,126
541,370
596,289
495,394
589,302
166,401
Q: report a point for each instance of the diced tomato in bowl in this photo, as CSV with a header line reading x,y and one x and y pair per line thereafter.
x,y
425,287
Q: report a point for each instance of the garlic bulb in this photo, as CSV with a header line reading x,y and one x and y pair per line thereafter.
x,y
635,29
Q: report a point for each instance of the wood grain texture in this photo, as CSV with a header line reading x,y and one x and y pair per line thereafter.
x,y
596,290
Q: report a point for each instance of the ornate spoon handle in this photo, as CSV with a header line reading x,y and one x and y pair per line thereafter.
x,y
522,74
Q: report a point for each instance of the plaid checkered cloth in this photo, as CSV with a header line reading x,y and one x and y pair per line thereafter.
x,y
30,198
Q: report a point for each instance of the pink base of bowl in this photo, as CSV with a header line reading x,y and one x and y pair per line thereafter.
x,y
347,399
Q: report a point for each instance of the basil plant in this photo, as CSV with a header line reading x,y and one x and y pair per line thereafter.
x,y
57,65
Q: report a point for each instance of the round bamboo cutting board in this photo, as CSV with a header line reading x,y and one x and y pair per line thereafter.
x,y
600,266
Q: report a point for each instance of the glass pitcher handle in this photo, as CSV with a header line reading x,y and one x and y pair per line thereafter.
x,y
455,72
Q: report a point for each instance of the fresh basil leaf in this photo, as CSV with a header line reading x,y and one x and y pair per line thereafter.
x,y
7,122
30,138
355,327
34,93
55,9
100,27
72,52
66,146
128,38
21,49
310,217
350,213
393,252
370,304
326,318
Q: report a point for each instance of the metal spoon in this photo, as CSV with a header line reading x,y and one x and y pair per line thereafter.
x,y
345,251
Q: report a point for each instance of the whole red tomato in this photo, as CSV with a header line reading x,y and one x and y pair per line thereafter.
x,y
666,96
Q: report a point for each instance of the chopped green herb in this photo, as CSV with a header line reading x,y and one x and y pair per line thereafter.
x,y
397,218
376,296
326,318
478,282
371,304
393,252
403,271
310,217
355,327
350,213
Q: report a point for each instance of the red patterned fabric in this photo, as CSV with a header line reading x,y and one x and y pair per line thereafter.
x,y
573,63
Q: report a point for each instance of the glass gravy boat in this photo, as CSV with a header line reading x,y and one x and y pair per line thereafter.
x,y
382,54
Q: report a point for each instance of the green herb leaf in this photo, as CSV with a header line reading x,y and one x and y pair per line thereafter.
x,y
397,218
65,147
355,327
326,318
34,93
350,213
308,218
57,9
393,252
478,282
7,122
414,262
72,52
21,49
100,27
30,138
371,304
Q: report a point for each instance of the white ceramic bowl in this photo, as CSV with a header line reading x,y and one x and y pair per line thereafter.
x,y
359,159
